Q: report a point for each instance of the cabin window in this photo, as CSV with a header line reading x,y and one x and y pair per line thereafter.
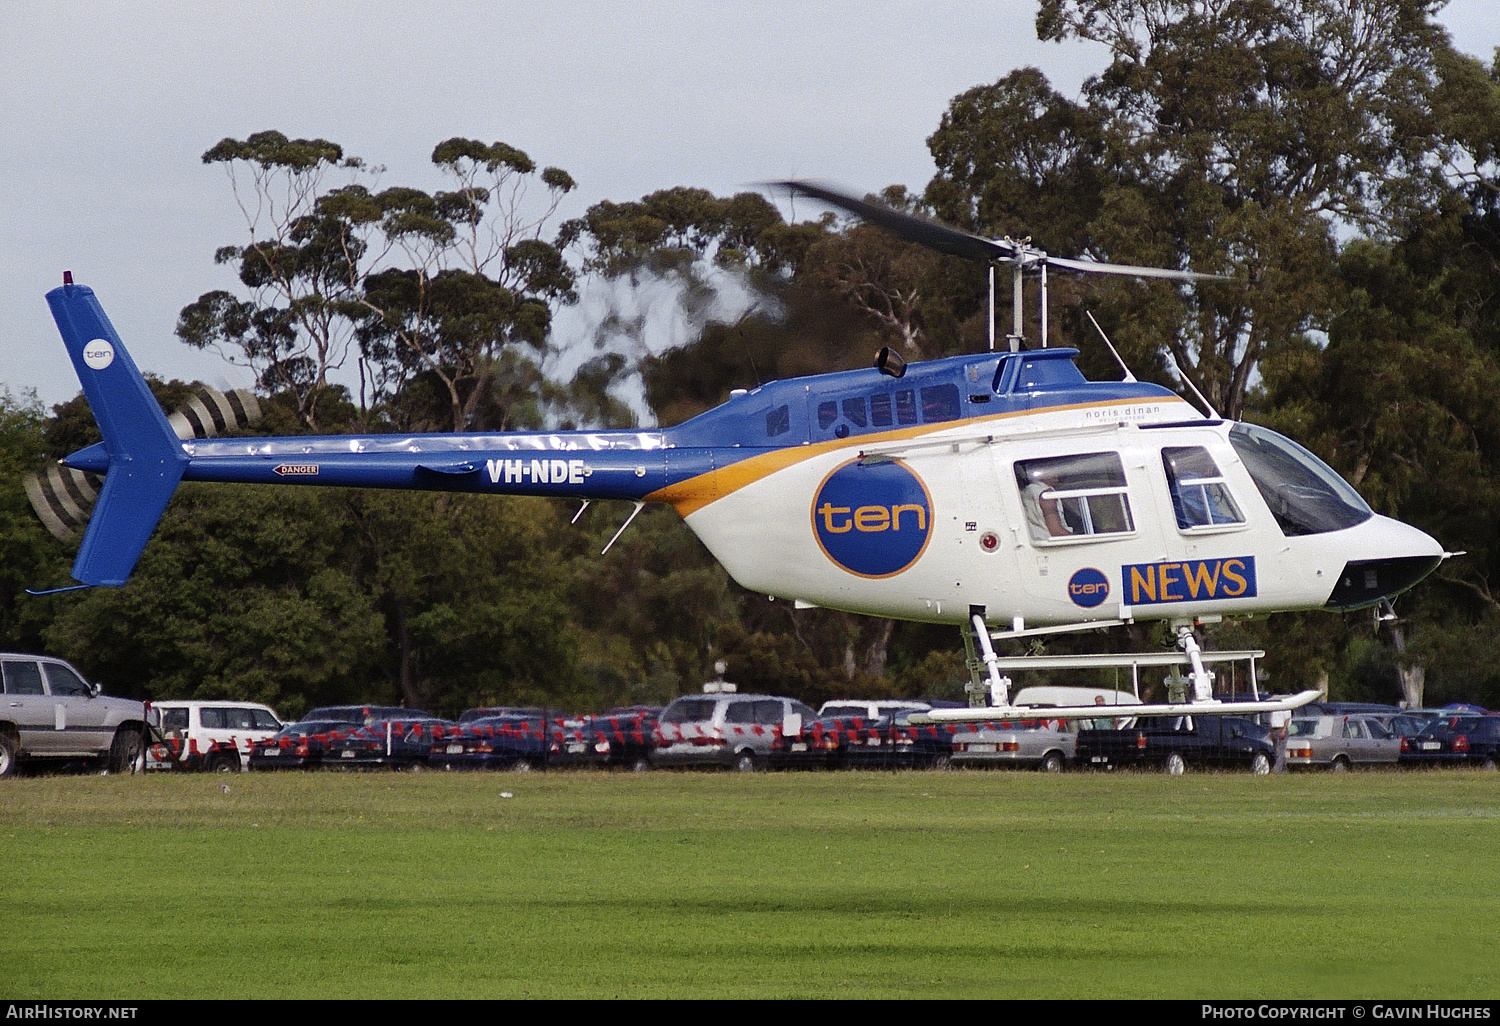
x,y
1304,493
828,412
854,410
1074,496
940,402
778,421
880,410
906,407
1200,496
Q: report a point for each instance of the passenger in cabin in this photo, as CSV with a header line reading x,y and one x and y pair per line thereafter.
x,y
1044,515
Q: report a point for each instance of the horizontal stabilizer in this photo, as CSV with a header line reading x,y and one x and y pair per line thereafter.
x,y
130,504
986,713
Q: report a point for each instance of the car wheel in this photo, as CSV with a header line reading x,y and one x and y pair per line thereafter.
x,y
523,766
7,755
641,765
1488,765
943,763
1338,765
1260,765
1175,765
224,764
746,762
1052,762
125,751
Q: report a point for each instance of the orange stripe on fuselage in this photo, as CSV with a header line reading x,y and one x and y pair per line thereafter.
x,y
687,497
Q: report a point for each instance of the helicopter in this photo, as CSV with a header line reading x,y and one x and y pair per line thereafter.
x,y
1001,492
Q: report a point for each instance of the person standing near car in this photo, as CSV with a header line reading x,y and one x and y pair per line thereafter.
x,y
1279,721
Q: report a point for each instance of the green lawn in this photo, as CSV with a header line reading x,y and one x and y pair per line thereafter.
x,y
958,884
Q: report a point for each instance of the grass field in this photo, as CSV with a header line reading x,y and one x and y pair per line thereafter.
x,y
964,884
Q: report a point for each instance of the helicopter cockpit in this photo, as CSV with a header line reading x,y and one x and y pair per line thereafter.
x,y
1303,492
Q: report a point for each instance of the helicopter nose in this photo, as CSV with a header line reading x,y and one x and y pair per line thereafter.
x,y
1407,556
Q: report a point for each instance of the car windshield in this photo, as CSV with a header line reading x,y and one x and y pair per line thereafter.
x,y
305,727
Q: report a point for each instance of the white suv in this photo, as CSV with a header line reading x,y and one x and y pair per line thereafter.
x,y
51,712
210,735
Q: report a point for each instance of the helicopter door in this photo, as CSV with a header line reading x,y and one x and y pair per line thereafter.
x,y
1078,515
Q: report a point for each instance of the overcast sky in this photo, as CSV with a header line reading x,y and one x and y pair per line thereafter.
x,y
108,107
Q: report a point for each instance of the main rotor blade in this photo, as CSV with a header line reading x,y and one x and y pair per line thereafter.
x,y
1096,267
910,227
974,247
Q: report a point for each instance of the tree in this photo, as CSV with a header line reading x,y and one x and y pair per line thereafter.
x,y
29,557
440,286
476,283
1229,136
1401,398
302,267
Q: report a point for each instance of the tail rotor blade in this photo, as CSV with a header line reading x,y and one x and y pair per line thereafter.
x,y
62,499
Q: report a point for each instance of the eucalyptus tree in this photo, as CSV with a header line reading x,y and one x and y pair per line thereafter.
x,y
446,287
302,269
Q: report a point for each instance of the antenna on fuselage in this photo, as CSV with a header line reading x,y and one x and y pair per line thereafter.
x,y
1189,383
1128,376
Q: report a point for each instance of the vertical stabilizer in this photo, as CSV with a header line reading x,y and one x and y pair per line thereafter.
x,y
146,459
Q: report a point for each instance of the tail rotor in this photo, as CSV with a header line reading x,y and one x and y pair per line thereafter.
x,y
63,497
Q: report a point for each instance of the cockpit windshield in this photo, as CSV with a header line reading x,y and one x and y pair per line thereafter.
x,y
1304,493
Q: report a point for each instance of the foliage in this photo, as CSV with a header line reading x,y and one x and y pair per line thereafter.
x,y
1227,136
1337,160
440,286
29,556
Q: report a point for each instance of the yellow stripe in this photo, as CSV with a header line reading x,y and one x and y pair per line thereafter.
x,y
689,496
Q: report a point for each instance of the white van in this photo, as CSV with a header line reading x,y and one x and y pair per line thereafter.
x,y
209,735
745,732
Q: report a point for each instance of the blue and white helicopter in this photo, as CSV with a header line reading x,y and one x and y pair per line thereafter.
x,y
1001,492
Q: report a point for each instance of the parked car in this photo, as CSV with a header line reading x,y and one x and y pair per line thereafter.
x,y
209,735
621,736
521,742
363,715
51,712
396,743
297,745
1455,740
1173,743
888,741
1047,745
1340,742
746,732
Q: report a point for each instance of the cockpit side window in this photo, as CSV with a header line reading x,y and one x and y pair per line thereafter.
x,y
1304,493
778,421
1069,497
1200,496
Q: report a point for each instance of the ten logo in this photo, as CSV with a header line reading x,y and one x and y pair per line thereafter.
x,y
99,354
1088,588
872,519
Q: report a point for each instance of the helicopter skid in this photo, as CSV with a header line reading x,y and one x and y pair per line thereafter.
x,y
1088,712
